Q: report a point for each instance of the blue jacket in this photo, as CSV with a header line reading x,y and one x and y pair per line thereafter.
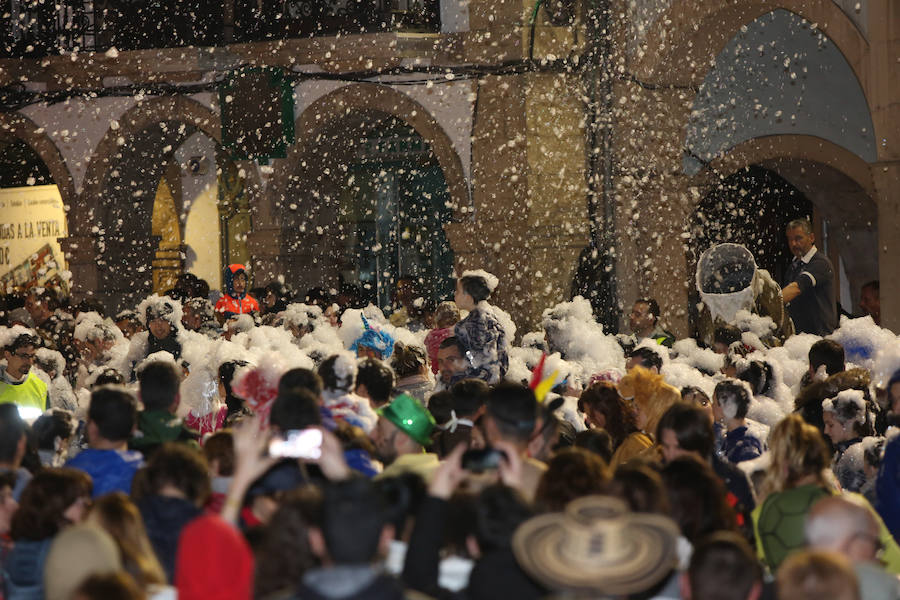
x,y
888,487
360,461
111,470
739,445
487,349
23,570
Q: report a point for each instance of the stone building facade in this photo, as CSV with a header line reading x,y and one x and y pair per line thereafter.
x,y
531,142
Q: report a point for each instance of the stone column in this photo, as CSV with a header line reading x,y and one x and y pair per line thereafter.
x,y
884,98
652,258
654,199
81,260
887,182
529,219
493,235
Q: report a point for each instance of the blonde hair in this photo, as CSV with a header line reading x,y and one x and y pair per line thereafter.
x,y
814,574
119,516
650,393
798,451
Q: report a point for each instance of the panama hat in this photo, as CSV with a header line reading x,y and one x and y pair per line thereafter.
x,y
597,546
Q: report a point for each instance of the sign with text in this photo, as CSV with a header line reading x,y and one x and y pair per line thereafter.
x,y
31,220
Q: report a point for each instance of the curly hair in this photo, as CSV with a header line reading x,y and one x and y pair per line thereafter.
x,y
408,360
798,452
650,393
603,397
44,501
179,466
572,473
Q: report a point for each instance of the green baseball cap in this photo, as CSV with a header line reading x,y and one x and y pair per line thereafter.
x,y
410,417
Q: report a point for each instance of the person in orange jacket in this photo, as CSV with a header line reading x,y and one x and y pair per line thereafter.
x,y
235,300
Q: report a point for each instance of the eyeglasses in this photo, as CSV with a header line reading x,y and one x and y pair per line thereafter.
x,y
31,356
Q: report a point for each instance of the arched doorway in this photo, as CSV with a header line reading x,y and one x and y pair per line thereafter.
x,y
371,195
763,184
751,207
161,196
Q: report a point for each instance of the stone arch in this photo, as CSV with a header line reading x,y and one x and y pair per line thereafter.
x,y
364,97
310,232
23,128
112,242
136,120
778,76
782,149
682,41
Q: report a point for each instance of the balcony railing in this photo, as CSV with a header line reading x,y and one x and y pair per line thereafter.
x,y
37,28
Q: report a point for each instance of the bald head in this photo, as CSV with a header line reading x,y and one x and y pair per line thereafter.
x,y
844,525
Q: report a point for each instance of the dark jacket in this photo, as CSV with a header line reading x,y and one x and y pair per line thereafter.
x,y
156,427
349,583
740,494
739,445
23,570
495,575
848,468
164,518
168,344
888,487
498,575
483,337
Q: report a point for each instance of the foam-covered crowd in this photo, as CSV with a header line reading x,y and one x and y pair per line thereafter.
x,y
256,443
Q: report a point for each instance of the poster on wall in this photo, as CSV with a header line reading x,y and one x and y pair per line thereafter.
x,y
31,220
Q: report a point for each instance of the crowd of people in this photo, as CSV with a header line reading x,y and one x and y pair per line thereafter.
x,y
260,444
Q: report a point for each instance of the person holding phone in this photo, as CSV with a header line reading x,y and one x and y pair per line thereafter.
x,y
511,421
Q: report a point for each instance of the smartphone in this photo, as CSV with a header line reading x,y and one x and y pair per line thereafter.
x,y
478,461
298,443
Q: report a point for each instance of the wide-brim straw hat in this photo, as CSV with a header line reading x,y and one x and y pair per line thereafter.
x,y
597,547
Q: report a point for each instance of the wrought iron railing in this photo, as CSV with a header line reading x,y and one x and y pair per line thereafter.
x,y
37,28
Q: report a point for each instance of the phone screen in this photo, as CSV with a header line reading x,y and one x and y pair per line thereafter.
x,y
298,443
478,461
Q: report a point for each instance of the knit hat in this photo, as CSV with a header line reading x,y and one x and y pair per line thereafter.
x,y
214,561
410,417
77,553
